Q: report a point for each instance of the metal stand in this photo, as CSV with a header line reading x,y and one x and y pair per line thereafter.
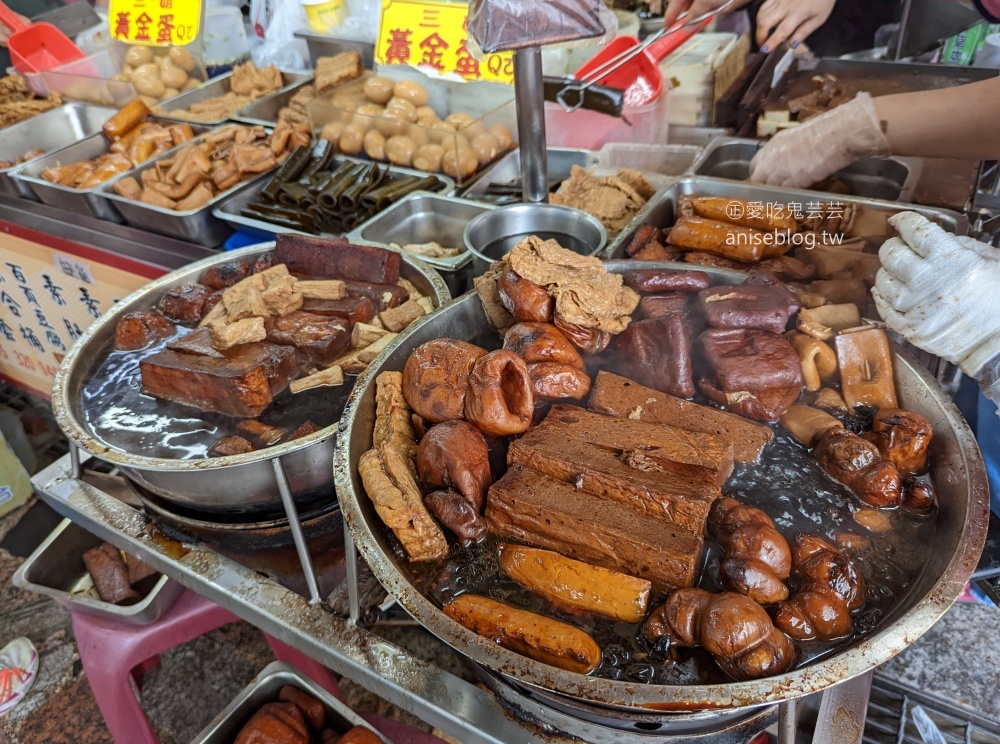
x,y
787,725
353,590
296,526
530,98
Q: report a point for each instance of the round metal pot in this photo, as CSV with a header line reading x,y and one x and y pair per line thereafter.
x,y
517,220
957,468
240,484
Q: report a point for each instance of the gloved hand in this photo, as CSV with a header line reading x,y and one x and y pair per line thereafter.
x,y
811,151
939,292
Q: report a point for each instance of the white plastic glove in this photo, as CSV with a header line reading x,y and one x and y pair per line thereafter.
x,y
940,293
811,151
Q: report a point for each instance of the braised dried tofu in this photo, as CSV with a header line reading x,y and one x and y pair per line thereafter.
x,y
319,339
351,310
617,396
199,341
110,574
260,434
242,384
232,445
184,303
537,510
337,258
393,420
384,296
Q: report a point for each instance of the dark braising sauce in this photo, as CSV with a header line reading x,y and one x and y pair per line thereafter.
x,y
118,414
790,486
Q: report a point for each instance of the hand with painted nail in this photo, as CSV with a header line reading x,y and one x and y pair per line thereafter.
x,y
790,20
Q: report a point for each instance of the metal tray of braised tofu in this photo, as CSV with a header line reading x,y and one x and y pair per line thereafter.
x,y
48,132
871,222
264,689
265,111
220,86
199,225
891,179
92,201
56,569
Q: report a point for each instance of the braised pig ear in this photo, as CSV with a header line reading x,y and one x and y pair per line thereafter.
x,y
818,360
866,375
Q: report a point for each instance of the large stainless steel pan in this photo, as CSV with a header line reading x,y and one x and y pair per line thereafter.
x,y
236,484
961,531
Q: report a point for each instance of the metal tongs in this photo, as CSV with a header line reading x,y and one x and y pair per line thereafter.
x,y
581,85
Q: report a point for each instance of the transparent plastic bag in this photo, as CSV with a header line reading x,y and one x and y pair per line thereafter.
x,y
503,25
280,47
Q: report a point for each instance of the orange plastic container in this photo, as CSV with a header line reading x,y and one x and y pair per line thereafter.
x,y
37,47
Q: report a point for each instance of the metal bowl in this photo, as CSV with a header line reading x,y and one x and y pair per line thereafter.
x,y
492,234
236,484
960,534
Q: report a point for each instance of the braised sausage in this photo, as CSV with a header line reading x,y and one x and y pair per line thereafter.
x,y
535,636
729,241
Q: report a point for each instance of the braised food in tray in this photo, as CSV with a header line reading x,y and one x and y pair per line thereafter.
x,y
652,478
259,352
296,717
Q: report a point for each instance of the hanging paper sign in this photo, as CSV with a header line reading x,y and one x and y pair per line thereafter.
x,y
431,35
154,22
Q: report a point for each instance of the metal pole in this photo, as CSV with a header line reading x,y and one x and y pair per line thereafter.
x,y
529,95
786,722
297,535
353,589
74,459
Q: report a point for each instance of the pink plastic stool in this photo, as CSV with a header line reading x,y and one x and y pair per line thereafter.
x,y
110,650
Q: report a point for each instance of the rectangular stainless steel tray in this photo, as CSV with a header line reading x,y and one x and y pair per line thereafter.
x,y
219,87
87,201
266,110
661,208
665,160
508,168
264,689
891,179
56,569
50,131
200,226
424,217
229,210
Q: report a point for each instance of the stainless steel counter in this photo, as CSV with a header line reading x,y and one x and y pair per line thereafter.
x,y
154,250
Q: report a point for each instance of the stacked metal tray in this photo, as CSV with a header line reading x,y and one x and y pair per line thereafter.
x,y
220,86
92,201
199,226
56,569
266,110
661,209
50,131
507,170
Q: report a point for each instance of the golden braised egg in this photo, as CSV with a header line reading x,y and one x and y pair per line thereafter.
x,y
351,140
504,138
428,158
486,147
182,58
173,76
404,107
138,55
425,111
393,123
378,89
459,121
413,92
399,150
332,132
149,85
459,163
146,68
374,145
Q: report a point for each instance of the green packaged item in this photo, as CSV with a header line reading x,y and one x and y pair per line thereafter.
x,y
961,48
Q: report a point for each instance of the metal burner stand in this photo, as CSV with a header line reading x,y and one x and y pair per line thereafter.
x,y
337,639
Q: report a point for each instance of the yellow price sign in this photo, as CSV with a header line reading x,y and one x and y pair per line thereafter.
x,y
431,35
155,22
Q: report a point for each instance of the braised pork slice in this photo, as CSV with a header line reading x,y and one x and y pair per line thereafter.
x,y
544,512
242,384
619,396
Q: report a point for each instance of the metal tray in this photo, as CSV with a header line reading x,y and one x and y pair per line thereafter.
x,y
87,201
892,179
219,87
229,210
56,570
660,209
50,131
422,217
266,110
508,168
225,727
664,160
200,226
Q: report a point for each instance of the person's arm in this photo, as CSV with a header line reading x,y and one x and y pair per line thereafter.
x,y
958,122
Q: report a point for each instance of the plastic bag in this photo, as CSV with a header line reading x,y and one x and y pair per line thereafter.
x,y
503,25
280,48
357,24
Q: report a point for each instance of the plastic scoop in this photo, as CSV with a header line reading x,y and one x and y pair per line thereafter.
x,y
633,66
37,46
